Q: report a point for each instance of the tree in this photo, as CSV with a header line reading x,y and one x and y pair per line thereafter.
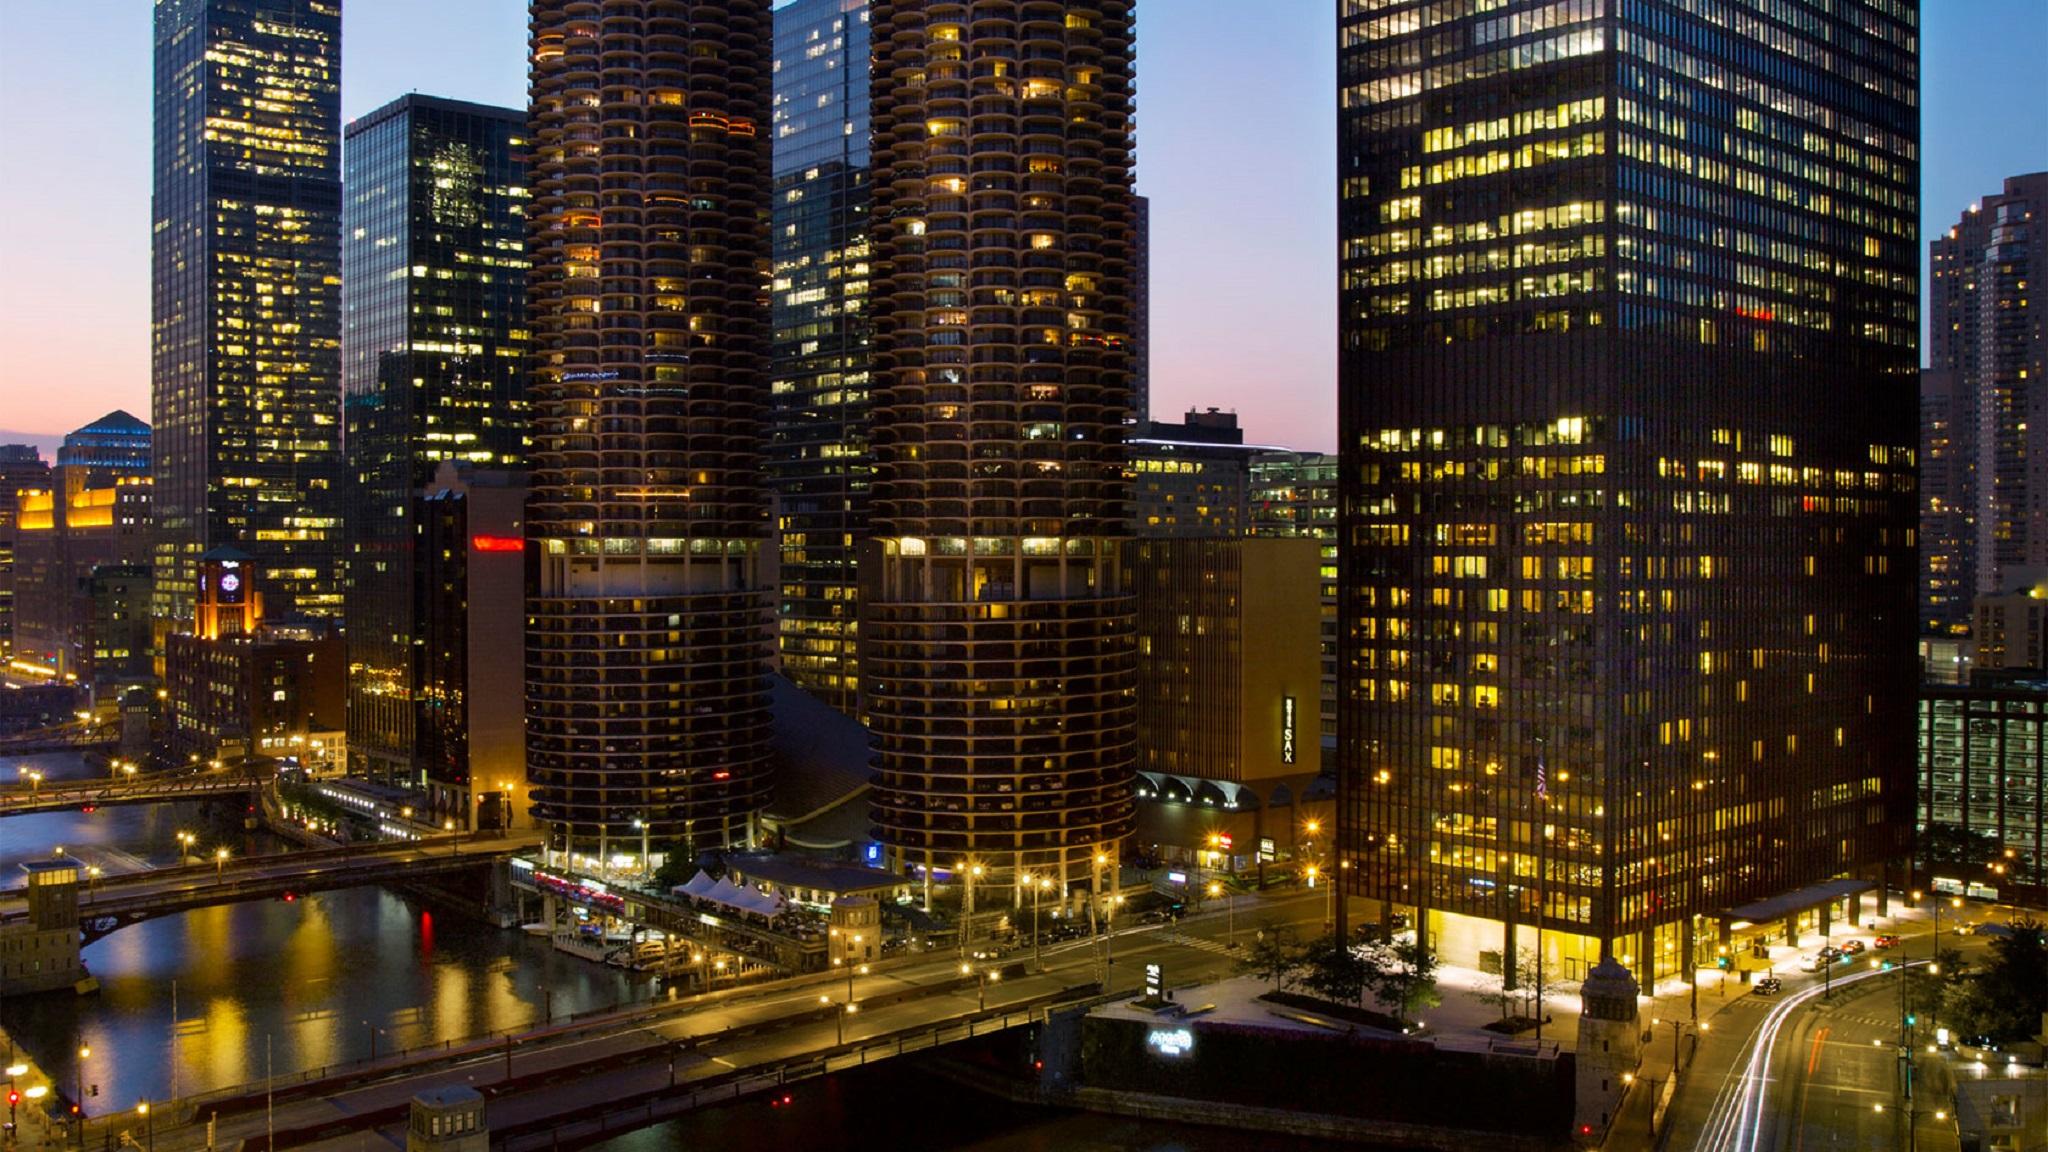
x,y
676,868
2005,1001
1402,974
1335,969
1271,956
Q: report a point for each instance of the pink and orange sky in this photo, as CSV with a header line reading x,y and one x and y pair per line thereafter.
x,y
1236,146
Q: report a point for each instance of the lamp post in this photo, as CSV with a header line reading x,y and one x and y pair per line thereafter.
x,y
185,842
969,872
149,1117
1677,1029
1109,940
84,1053
1229,914
1912,1115
646,865
220,865
985,976
1037,884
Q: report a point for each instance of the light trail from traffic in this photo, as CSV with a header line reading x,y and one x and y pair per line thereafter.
x,y
1735,1123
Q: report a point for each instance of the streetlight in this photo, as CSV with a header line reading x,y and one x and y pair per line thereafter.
x,y
142,1110
220,864
84,1053
1037,884
969,873
1229,914
1911,1115
1109,908
454,841
1677,1027
646,865
185,842
987,976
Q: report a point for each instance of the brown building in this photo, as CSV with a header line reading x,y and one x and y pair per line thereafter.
x,y
1229,673
2012,631
21,466
471,564
240,685
650,617
87,518
996,630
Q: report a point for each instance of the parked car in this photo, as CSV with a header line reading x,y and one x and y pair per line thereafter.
x,y
1769,986
1885,941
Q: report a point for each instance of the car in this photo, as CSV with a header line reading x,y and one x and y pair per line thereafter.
x,y
1769,986
1814,961
1992,928
1852,947
1885,941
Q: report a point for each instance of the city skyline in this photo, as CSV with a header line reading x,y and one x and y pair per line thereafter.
x,y
1228,302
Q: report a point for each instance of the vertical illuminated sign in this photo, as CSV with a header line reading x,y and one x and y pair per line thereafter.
x,y
1287,729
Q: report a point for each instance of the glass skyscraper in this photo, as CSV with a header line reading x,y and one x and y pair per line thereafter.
x,y
433,369
1627,424
245,267
819,462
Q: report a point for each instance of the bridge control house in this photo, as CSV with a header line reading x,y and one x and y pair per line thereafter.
x,y
40,954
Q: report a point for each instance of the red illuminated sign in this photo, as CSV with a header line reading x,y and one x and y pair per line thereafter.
x,y
497,543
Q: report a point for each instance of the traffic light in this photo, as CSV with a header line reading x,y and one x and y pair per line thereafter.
x,y
13,1098
1723,963
1911,1019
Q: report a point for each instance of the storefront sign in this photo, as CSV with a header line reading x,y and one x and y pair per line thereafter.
x,y
1155,981
1171,1042
1287,729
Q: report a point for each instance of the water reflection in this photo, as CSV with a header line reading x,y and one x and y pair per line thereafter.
x,y
311,978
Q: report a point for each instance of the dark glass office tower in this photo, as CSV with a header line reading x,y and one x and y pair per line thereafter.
x,y
997,619
819,462
650,625
1628,325
433,368
245,266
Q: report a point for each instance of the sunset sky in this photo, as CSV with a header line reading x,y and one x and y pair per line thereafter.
x,y
1236,146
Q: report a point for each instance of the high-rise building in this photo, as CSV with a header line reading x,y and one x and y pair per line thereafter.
x,y
433,369
650,628
114,443
997,660
85,519
1627,422
245,266
1189,479
819,463
1295,494
1983,438
21,467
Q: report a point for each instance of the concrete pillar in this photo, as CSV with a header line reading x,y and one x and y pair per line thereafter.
x,y
1507,956
1792,930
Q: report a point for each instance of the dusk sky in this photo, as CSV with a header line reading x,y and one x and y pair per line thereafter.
x,y
1236,130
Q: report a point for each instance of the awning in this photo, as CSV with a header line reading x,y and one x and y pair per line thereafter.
x,y
1797,900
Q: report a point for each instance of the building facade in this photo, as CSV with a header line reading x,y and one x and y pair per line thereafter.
x,y
1983,779
1982,403
1627,421
1189,479
116,443
21,467
240,684
996,612
819,462
86,519
1295,494
2011,632
1229,670
470,741
433,369
245,268
650,614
